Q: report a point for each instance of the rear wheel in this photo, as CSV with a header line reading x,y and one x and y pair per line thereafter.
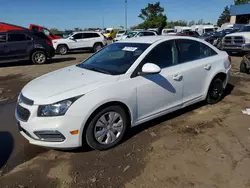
x,y
107,128
62,49
39,57
215,91
97,47
243,67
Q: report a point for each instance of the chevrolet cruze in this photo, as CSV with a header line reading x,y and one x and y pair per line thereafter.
x,y
123,85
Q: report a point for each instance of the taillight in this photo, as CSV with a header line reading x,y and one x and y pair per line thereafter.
x,y
229,59
49,42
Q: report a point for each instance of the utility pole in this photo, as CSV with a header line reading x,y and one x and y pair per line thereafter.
x,y
103,23
126,14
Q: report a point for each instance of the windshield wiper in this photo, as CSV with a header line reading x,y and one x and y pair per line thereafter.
x,y
98,70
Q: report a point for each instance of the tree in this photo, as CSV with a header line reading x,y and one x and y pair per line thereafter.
x,y
153,16
239,2
176,23
191,23
224,17
54,30
200,22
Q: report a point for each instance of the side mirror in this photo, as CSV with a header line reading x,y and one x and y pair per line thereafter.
x,y
151,68
71,38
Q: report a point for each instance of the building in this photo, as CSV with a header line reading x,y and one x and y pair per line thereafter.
x,y
240,14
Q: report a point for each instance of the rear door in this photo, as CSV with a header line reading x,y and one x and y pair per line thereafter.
x,y
198,61
89,39
4,50
18,44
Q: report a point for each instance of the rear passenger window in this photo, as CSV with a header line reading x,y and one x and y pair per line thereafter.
x,y
90,35
149,34
190,50
2,38
16,37
164,55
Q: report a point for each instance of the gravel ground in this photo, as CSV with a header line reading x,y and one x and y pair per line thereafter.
x,y
199,146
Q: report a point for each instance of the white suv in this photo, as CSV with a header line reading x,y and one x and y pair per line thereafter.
x,y
123,85
80,40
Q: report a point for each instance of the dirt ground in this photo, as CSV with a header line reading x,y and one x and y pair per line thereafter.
x,y
201,146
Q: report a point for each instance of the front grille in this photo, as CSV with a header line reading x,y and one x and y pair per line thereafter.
x,y
234,40
25,100
22,113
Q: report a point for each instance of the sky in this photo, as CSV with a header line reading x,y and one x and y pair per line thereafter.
x,y
65,14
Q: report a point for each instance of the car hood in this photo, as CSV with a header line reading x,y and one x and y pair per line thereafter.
x,y
65,83
60,40
239,34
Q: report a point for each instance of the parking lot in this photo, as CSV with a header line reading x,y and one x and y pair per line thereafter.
x,y
200,146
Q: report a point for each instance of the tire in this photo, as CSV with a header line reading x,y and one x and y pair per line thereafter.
x,y
62,49
243,67
97,47
215,91
39,57
96,141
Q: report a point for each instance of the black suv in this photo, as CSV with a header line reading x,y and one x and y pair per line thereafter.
x,y
25,45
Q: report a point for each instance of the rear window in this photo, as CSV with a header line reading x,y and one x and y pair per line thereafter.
x,y
90,35
2,38
41,35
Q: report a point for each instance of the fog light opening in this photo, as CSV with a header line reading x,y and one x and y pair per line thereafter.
x,y
50,136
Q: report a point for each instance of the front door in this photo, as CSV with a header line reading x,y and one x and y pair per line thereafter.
x,y
197,60
18,46
159,93
76,42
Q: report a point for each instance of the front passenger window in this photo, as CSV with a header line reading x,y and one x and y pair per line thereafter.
x,y
78,36
164,55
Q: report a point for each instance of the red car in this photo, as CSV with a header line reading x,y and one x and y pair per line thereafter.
x,y
4,27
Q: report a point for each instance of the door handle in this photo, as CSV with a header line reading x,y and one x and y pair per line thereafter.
x,y
177,77
207,67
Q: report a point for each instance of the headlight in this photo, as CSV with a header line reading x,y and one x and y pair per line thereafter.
x,y
56,109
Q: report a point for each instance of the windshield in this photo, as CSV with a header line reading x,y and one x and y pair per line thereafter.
x,y
186,30
121,31
168,31
115,59
132,34
209,30
246,28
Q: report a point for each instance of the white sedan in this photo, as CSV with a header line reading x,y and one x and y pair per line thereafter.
x,y
124,85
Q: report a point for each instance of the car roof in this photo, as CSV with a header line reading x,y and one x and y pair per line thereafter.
x,y
85,32
147,39
153,39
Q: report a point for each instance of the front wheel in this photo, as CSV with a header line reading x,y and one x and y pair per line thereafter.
x,y
39,57
62,49
215,91
107,128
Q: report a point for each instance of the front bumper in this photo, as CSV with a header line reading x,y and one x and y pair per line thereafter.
x,y
236,47
61,125
51,52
